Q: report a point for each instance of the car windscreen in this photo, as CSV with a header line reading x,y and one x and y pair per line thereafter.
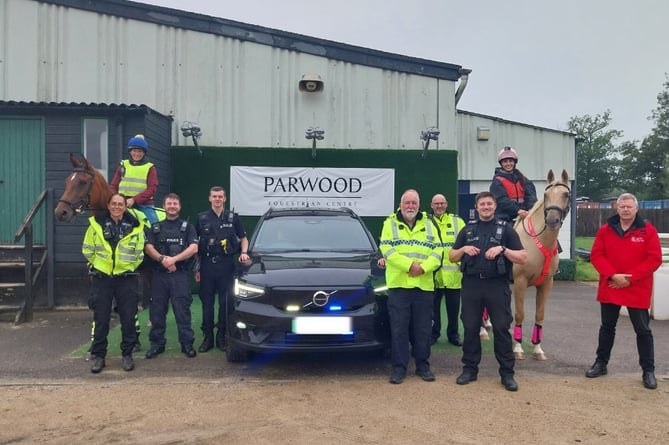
x,y
312,233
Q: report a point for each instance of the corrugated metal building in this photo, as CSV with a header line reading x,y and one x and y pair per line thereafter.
x,y
241,84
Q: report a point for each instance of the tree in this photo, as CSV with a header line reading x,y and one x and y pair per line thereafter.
x,y
645,168
657,144
597,165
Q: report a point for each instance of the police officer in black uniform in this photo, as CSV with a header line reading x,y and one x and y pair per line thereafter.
x,y
486,249
171,243
221,237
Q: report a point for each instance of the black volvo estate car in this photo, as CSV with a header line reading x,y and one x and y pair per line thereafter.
x,y
312,285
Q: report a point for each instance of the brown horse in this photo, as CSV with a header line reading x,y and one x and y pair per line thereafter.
x,y
539,234
85,189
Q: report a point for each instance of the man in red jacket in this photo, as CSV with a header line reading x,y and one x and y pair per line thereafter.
x,y
626,252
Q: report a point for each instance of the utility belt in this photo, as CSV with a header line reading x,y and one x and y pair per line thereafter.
x,y
98,274
213,259
486,276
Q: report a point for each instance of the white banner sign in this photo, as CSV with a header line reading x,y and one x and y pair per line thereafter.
x,y
366,191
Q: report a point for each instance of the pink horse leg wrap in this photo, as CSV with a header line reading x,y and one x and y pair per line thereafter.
x,y
485,314
518,333
536,334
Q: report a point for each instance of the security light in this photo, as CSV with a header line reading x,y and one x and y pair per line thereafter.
x,y
314,133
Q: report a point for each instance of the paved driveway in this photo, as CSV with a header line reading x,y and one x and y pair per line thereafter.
x,y
41,349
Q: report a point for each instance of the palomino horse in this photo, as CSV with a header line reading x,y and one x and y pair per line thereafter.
x,y
539,234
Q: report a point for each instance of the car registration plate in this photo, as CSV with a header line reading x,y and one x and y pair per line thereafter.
x,y
322,325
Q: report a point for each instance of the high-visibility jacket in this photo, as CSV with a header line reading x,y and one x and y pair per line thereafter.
x,y
129,251
134,179
401,246
449,274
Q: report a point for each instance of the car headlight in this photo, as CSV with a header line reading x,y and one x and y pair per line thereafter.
x,y
246,290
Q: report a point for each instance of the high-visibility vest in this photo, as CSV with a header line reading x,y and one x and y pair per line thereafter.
x,y
134,178
449,274
401,246
514,190
126,257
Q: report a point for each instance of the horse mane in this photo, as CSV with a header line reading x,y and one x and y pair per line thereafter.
x,y
101,191
538,206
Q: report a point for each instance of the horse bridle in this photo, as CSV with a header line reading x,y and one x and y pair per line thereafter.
x,y
82,204
563,211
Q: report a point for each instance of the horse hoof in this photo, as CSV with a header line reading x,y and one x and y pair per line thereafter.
x,y
519,355
539,356
483,334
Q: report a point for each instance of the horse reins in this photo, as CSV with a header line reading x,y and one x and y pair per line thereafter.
x,y
548,254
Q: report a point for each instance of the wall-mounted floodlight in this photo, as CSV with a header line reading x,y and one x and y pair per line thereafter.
x,y
482,133
314,133
192,130
311,83
427,135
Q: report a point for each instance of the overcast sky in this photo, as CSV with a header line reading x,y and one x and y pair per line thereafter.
x,y
533,61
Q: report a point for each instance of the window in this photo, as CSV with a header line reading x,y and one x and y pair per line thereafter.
x,y
96,146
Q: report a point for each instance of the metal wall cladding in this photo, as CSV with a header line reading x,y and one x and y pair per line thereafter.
x,y
240,93
539,149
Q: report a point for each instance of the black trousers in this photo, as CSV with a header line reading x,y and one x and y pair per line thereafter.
x,y
495,295
216,279
640,319
451,299
405,307
174,287
104,290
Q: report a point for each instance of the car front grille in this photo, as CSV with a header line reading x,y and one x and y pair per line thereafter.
x,y
348,300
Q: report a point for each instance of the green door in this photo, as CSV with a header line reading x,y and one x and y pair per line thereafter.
x,y
22,176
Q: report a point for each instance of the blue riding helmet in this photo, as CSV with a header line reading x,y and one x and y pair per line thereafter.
x,y
138,141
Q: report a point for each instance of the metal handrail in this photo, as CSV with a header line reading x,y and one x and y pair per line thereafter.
x,y
30,215
26,229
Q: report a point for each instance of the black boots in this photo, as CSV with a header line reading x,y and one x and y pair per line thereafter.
x,y
220,339
208,342
128,363
597,369
188,350
154,351
98,364
649,381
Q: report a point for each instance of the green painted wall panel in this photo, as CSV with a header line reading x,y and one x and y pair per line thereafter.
x,y
193,175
